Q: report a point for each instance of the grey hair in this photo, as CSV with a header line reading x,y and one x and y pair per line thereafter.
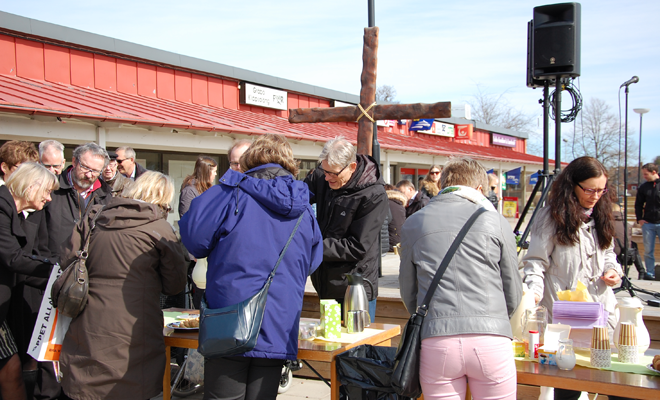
x,y
338,152
46,144
95,149
464,171
128,152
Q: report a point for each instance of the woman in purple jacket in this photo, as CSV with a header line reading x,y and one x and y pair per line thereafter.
x,y
241,225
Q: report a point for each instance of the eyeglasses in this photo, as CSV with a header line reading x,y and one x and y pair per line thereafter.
x,y
86,169
120,161
592,192
434,172
234,164
335,174
48,166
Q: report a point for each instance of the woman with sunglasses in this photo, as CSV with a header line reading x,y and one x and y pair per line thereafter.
x,y
572,241
431,182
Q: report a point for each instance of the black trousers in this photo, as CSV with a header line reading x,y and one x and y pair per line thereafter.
x,y
241,378
565,394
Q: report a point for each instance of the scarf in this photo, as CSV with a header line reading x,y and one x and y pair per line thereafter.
x,y
471,194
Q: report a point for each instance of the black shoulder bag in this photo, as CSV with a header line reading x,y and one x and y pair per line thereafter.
x,y
405,376
235,329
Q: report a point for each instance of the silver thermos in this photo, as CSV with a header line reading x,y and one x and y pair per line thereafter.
x,y
356,304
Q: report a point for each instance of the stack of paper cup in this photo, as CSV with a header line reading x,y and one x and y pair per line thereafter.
x,y
628,344
601,354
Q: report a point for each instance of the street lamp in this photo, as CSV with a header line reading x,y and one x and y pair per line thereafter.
x,y
640,111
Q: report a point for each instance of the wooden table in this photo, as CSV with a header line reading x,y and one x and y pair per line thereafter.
x,y
591,380
307,350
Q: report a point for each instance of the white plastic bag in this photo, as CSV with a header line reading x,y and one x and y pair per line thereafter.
x,y
50,328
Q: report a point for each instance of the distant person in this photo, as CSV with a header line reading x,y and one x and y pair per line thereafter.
x,y
430,185
634,257
126,163
51,156
397,201
236,151
241,225
416,199
117,181
647,211
351,205
114,349
492,190
12,154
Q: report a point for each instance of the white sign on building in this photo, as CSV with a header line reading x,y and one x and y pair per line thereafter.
x,y
440,129
262,96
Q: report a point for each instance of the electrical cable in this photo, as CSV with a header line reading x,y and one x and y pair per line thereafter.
x,y
570,114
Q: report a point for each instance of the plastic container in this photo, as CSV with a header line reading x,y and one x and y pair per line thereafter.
x,y
307,330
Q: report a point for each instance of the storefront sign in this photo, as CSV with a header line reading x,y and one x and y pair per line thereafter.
x,y
464,131
439,129
421,124
502,140
263,96
386,122
337,103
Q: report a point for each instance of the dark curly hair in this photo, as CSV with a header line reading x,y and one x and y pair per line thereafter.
x,y
566,211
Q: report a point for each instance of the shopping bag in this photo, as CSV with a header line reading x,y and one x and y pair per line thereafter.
x,y
50,328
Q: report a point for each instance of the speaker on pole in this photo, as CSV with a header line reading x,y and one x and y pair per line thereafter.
x,y
556,41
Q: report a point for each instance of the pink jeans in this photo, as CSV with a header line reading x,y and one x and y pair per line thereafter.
x,y
486,361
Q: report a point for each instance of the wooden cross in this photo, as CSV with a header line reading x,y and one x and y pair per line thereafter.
x,y
372,112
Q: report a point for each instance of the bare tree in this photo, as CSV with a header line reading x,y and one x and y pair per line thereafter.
x,y
386,93
597,134
495,109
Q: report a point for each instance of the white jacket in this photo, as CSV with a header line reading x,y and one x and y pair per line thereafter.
x,y
550,267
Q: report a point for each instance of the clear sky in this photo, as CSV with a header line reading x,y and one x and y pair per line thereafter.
x,y
429,50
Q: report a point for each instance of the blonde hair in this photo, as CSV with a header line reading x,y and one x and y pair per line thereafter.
x,y
270,148
152,187
31,180
464,171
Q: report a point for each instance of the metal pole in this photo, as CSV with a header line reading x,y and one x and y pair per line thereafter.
x,y
371,7
625,190
558,125
546,127
639,159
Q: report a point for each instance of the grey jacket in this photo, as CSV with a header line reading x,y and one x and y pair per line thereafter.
x,y
481,287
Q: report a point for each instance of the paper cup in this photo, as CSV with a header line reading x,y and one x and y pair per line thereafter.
x,y
627,334
628,354
599,338
601,358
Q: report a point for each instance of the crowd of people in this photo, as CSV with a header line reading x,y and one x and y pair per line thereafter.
x,y
231,234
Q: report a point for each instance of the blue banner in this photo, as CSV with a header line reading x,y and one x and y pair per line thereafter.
x,y
534,178
421,124
490,171
513,176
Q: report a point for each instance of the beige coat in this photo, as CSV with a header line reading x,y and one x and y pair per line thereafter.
x,y
114,349
551,267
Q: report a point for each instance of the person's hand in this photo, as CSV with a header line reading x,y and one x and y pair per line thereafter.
x,y
641,222
537,298
611,277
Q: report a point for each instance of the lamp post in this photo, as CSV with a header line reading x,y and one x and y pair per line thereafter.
x,y
641,112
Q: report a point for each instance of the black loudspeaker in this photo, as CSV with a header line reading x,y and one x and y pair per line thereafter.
x,y
556,40
531,81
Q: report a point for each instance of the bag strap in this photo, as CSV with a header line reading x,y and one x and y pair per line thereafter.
x,y
83,252
422,310
272,274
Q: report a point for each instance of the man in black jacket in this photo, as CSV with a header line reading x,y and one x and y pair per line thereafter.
x,y
416,199
351,206
647,211
126,163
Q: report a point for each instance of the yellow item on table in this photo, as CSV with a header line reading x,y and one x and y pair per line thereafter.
x,y
579,294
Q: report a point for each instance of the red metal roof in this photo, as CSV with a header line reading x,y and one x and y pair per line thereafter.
x,y
30,96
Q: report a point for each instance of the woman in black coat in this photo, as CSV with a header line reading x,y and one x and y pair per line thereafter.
x,y
28,188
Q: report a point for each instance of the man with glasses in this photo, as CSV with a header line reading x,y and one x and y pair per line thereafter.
x,y
126,163
117,181
236,151
51,156
647,211
80,188
351,207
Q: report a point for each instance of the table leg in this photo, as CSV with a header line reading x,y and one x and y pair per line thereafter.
x,y
334,381
167,395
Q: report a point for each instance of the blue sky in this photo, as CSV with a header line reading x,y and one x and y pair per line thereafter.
x,y
429,50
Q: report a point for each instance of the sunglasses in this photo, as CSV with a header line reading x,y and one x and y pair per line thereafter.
x,y
120,161
434,172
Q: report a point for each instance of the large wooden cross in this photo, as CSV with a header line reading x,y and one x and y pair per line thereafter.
x,y
367,101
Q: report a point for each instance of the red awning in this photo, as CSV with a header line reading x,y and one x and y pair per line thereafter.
x,y
28,96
